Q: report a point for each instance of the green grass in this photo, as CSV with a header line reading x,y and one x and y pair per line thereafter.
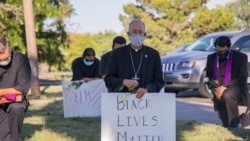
x,y
44,121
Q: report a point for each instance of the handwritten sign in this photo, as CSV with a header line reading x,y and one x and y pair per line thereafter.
x,y
82,99
125,118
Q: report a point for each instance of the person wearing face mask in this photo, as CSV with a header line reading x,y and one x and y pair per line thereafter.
x,y
86,67
135,67
230,69
15,81
118,41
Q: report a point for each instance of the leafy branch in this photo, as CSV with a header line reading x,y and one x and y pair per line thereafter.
x,y
77,84
212,84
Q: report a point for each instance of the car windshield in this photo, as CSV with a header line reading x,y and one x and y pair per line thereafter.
x,y
202,44
181,48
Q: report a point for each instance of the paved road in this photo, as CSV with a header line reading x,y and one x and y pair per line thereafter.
x,y
190,106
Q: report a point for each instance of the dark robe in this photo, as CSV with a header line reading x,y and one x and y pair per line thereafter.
x,y
120,67
237,88
80,70
104,62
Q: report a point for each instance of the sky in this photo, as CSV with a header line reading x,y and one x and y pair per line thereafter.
x,y
99,15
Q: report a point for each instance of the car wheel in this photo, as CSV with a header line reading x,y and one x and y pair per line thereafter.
x,y
203,89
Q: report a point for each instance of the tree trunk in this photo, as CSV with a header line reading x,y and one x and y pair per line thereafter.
x,y
31,46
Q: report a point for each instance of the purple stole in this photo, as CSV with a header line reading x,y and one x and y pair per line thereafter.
x,y
227,69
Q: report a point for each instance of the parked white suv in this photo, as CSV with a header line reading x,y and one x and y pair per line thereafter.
x,y
186,70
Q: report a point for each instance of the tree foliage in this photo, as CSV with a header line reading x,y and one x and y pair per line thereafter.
x,y
50,31
11,24
100,42
208,21
170,24
241,10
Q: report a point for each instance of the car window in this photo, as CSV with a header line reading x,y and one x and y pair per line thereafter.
x,y
243,44
203,44
181,48
206,43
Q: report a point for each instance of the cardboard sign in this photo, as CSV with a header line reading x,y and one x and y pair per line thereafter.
x,y
82,99
126,118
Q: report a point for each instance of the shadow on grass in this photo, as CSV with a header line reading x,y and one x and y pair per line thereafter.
x,y
87,128
183,127
243,133
29,129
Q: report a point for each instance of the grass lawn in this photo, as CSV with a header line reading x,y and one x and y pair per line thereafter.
x,y
44,121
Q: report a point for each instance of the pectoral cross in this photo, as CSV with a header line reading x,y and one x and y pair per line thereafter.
x,y
136,78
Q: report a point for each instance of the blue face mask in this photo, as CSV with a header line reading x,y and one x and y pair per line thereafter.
x,y
88,63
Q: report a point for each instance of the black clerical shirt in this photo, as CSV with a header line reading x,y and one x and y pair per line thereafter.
x,y
222,67
120,68
80,70
17,74
104,62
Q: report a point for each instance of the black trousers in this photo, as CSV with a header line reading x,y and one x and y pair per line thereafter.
x,y
11,121
227,107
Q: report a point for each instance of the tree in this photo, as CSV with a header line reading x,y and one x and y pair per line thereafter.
x,y
11,19
31,46
49,26
172,23
241,10
221,20
100,42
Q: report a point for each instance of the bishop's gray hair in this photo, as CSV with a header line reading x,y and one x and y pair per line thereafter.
x,y
4,43
136,21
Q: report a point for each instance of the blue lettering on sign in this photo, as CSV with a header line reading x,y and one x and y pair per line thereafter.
x,y
82,97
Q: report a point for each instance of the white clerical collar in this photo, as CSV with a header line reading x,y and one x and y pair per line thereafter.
x,y
136,49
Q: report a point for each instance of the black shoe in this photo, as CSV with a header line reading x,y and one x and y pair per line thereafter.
x,y
237,126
